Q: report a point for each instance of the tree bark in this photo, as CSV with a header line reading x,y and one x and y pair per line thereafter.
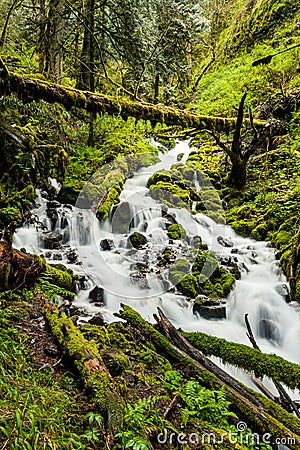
x,y
29,89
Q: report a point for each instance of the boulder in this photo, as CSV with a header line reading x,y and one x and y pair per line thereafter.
x,y
106,244
225,242
210,308
121,218
137,240
96,295
52,240
139,279
53,204
97,319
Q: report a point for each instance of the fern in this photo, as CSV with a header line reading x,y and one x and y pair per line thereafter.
x,y
205,404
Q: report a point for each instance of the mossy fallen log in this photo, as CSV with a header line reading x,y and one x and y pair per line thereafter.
x,y
247,358
91,368
29,89
269,418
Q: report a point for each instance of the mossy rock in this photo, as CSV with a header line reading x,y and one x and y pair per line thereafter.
x,y
61,276
260,232
69,193
176,231
160,175
137,240
188,286
112,197
115,360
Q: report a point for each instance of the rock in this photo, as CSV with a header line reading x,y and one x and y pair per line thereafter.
x,y
140,267
196,242
121,218
72,256
57,256
137,240
97,319
53,204
209,308
52,240
106,244
53,216
139,279
63,221
97,295
283,290
225,242
83,282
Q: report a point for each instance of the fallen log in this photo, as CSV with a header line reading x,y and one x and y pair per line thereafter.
x,y
30,89
271,418
284,398
92,370
18,269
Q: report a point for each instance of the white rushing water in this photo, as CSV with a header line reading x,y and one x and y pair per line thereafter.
x,y
259,292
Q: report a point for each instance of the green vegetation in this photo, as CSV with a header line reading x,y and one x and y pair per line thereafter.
x,y
117,386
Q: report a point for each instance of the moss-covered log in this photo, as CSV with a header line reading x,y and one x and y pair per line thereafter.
x,y
247,358
93,372
270,418
29,89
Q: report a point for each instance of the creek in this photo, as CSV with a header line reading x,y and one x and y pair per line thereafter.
x,y
119,268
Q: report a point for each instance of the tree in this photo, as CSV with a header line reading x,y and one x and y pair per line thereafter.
x,y
241,150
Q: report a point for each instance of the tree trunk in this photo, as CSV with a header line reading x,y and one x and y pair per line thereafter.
x,y
238,174
29,89
54,41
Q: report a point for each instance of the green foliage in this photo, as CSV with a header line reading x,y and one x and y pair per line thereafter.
x,y
205,404
141,421
36,409
176,231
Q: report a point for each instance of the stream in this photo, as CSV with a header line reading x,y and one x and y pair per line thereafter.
x,y
115,266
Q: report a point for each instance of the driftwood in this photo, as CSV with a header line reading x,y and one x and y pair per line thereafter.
x,y
284,398
30,89
269,418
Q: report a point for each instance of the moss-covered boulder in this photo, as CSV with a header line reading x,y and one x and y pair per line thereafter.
x,y
137,240
176,231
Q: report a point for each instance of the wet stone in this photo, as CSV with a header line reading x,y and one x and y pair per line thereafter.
x,y
52,240
97,319
96,295
225,242
210,308
106,244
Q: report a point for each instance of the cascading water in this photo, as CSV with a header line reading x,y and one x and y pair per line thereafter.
x,y
116,266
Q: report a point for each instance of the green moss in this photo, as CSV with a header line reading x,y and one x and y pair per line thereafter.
x,y
60,276
176,231
115,360
96,333
112,197
188,286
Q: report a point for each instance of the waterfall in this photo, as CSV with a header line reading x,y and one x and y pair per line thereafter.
x,y
260,291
